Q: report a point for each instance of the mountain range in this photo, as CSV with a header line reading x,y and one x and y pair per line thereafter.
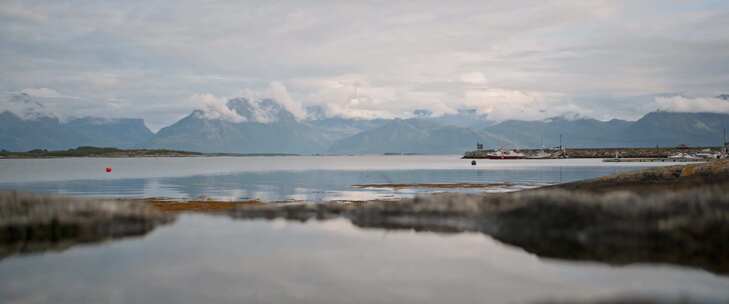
x,y
653,129
266,126
261,127
33,128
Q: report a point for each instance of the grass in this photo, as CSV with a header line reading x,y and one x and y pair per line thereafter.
x,y
86,151
198,205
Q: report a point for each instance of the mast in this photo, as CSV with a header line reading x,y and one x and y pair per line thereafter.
x,y
560,141
724,147
542,141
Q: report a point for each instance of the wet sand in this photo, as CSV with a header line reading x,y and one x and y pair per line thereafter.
x,y
436,186
207,206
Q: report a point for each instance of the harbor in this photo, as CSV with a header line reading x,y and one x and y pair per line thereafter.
x,y
681,153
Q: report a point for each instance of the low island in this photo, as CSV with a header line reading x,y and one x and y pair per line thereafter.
x,y
87,151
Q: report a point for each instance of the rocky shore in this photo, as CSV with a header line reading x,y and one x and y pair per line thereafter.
x,y
660,179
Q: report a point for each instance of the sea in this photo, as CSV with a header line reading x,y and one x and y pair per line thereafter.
x,y
288,178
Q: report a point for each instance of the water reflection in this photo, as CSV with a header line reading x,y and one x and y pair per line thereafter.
x,y
310,185
327,262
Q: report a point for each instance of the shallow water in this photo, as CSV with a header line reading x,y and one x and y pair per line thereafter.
x,y
311,178
205,259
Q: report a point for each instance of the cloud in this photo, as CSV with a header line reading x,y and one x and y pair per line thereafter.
x,y
358,96
11,10
279,93
409,56
213,107
43,92
473,78
504,104
692,105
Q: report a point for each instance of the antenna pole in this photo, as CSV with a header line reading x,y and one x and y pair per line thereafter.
x,y
725,146
542,141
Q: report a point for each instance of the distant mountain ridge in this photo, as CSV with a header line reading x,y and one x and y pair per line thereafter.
x,y
655,128
578,132
414,136
266,126
43,132
263,111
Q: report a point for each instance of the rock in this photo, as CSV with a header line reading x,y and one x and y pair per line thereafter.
x,y
671,178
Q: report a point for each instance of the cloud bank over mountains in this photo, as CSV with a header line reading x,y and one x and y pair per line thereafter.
x,y
242,125
718,104
510,60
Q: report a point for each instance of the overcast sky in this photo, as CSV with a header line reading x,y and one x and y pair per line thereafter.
x,y
159,60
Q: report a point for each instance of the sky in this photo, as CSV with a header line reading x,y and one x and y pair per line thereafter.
x,y
159,60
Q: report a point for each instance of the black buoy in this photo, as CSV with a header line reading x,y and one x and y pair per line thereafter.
x,y
473,163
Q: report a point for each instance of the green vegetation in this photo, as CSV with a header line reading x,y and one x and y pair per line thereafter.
x,y
86,151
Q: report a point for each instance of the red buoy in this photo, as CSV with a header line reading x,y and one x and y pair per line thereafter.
x,y
108,169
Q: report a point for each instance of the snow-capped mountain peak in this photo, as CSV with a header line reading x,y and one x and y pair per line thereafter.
x,y
26,107
263,110
239,110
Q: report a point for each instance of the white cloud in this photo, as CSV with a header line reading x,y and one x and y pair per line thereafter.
x,y
43,92
213,107
473,78
504,104
279,93
409,56
357,96
692,105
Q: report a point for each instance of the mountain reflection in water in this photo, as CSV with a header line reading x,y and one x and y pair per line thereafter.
x,y
328,262
312,178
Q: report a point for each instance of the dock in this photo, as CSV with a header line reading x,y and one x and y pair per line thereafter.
x,y
652,160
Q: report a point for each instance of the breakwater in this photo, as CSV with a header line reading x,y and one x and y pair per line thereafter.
x,y
654,152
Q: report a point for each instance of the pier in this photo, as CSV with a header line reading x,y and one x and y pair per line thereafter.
x,y
618,154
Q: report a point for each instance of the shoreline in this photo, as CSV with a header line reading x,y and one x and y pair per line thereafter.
x,y
103,152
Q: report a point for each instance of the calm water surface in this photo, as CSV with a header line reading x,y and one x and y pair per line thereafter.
x,y
204,259
312,178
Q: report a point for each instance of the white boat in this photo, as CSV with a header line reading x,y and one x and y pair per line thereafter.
x,y
708,155
501,154
681,155
540,155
